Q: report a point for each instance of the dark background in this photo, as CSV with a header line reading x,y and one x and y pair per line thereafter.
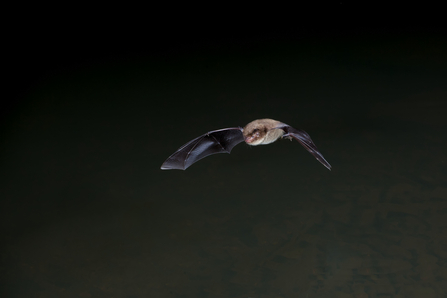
x,y
95,102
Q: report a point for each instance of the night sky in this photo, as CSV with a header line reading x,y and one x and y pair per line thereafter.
x,y
97,98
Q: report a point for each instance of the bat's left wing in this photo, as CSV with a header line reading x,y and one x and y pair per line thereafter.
x,y
305,140
216,141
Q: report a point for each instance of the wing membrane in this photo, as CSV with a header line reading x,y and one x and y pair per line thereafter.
x,y
213,142
305,140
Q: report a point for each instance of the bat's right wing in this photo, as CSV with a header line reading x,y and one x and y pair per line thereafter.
x,y
217,141
305,140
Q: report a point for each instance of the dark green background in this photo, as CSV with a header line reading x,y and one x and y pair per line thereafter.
x,y
87,212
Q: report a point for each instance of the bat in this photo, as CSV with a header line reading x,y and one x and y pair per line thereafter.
x,y
257,132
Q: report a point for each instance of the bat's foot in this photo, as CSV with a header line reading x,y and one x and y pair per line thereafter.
x,y
287,136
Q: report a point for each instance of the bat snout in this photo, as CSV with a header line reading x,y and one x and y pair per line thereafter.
x,y
253,140
249,139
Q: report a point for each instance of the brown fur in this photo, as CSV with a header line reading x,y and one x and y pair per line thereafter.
x,y
262,132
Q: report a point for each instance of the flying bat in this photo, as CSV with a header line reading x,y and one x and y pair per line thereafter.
x,y
258,132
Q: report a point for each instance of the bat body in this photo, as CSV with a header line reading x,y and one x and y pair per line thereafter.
x,y
258,132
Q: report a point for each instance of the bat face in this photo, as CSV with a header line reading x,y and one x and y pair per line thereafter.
x,y
258,132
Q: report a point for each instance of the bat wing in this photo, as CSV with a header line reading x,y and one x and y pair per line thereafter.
x,y
217,141
305,140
